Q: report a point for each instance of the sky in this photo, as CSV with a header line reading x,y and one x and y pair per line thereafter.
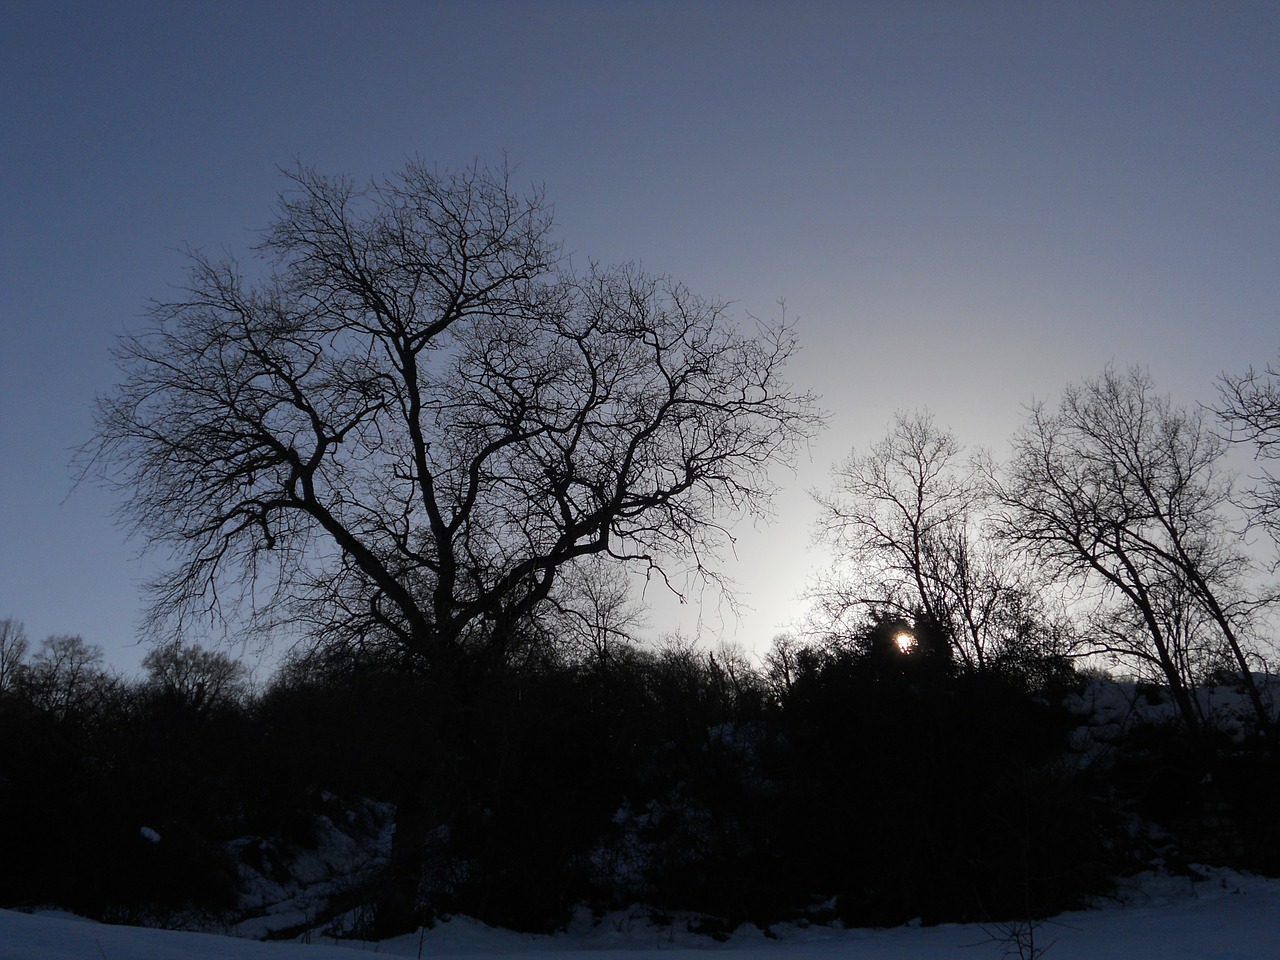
x,y
964,206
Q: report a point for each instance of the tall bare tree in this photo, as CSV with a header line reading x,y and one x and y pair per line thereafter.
x,y
415,414
419,414
1122,490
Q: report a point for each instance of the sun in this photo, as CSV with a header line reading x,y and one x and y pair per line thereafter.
x,y
906,642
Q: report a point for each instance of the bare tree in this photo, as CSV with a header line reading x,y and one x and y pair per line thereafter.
x,y
782,664
66,675
403,430
905,521
1250,407
1121,490
13,651
419,415
197,678
595,611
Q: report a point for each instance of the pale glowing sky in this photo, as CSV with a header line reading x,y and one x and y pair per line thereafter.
x,y
965,205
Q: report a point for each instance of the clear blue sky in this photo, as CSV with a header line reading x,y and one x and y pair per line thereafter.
x,y
966,205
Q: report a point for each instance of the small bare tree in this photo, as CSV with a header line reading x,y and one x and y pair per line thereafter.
x,y
595,612
13,651
781,665
1250,406
197,678
66,675
905,520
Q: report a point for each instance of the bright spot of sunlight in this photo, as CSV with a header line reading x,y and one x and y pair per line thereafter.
x,y
906,642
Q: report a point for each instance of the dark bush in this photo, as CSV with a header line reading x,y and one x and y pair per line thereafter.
x,y
917,790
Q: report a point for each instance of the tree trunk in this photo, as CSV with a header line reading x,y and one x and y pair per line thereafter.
x,y
1181,695
398,906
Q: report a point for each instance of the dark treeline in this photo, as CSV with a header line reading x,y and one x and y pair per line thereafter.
x,y
870,780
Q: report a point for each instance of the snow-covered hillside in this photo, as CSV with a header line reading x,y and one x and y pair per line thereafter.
x,y
1220,916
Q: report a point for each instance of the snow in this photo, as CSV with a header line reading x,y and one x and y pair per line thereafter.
x,y
284,889
1221,915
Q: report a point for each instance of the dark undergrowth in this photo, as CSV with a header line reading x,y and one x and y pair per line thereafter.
x,y
860,785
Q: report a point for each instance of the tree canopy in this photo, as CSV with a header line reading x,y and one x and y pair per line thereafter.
x,y
416,412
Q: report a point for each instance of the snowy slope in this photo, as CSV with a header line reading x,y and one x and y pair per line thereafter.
x,y
1226,916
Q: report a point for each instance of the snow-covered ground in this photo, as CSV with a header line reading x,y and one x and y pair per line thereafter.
x,y
1222,916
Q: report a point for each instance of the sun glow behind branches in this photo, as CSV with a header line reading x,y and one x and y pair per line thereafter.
x,y
905,642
